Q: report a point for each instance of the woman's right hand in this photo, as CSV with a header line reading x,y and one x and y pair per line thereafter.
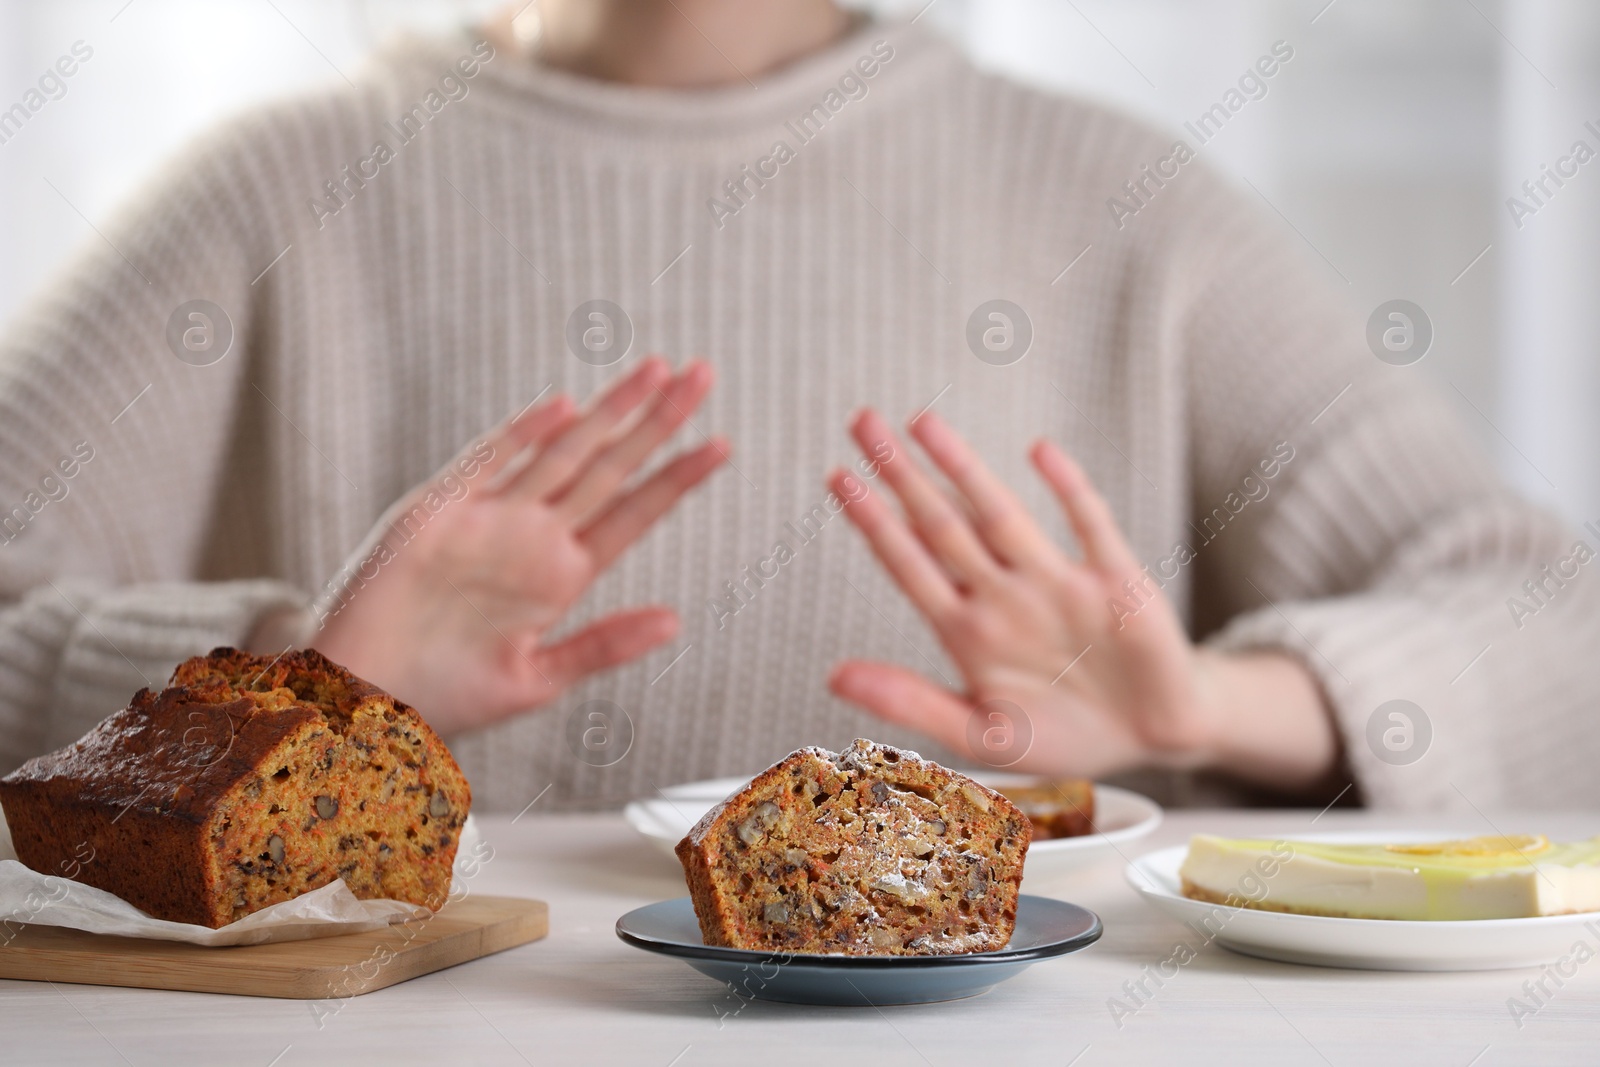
x,y
463,577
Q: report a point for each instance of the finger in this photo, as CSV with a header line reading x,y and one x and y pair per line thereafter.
x,y
610,642
905,698
933,515
627,519
1003,522
531,426
604,476
1095,526
902,554
569,451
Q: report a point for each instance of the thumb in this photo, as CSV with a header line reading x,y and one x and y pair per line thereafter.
x,y
609,642
905,698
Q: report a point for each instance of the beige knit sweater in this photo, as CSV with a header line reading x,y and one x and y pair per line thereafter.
x,y
381,322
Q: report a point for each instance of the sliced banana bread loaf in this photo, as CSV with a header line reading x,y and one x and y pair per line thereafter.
x,y
247,782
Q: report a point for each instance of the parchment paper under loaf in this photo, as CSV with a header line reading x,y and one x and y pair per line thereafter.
x,y
28,897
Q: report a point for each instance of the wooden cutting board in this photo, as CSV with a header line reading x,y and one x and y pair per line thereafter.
x,y
322,968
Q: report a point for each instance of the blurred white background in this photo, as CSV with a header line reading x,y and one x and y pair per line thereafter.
x,y
1389,145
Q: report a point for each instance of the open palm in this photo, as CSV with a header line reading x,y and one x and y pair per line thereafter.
x,y
465,591
1055,680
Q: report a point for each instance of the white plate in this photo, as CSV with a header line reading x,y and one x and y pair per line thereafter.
x,y
1122,816
1369,944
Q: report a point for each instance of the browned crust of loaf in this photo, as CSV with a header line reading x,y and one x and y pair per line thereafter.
x,y
702,830
139,757
130,807
112,811
722,914
710,908
1061,808
702,892
82,843
295,669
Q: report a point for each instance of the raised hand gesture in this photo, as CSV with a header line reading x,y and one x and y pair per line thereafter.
x,y
455,619
1056,678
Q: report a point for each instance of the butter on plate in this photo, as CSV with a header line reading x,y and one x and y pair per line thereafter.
x,y
1478,878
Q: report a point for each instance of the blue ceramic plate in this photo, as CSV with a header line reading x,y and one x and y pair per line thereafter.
x,y
1045,928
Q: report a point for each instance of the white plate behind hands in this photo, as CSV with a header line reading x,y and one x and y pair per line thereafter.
x,y
1122,816
1368,944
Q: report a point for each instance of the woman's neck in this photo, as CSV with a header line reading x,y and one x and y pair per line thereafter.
x,y
677,44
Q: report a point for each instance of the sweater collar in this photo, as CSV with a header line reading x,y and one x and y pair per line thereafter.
x,y
731,111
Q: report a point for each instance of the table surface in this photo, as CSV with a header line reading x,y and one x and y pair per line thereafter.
x,y
582,996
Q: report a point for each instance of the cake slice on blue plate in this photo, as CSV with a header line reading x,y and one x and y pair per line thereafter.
x,y
875,851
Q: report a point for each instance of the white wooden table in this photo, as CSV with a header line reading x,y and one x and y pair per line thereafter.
x,y
582,996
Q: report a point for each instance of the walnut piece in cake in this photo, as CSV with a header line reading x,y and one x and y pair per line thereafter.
x,y
247,782
874,851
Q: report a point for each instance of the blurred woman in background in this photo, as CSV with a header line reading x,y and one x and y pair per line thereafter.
x,y
294,363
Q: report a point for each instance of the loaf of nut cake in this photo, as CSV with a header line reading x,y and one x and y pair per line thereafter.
x,y
874,851
247,782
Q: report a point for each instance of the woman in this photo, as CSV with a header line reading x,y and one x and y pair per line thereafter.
x,y
329,301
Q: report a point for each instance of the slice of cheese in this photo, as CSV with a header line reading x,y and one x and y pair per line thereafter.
x,y
1477,878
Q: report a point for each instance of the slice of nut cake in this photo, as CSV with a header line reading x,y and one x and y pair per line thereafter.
x,y
875,851
1060,808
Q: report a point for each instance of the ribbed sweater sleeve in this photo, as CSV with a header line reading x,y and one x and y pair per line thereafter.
x,y
1384,553
113,451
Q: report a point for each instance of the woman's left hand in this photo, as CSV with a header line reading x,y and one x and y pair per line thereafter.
x,y
1057,678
